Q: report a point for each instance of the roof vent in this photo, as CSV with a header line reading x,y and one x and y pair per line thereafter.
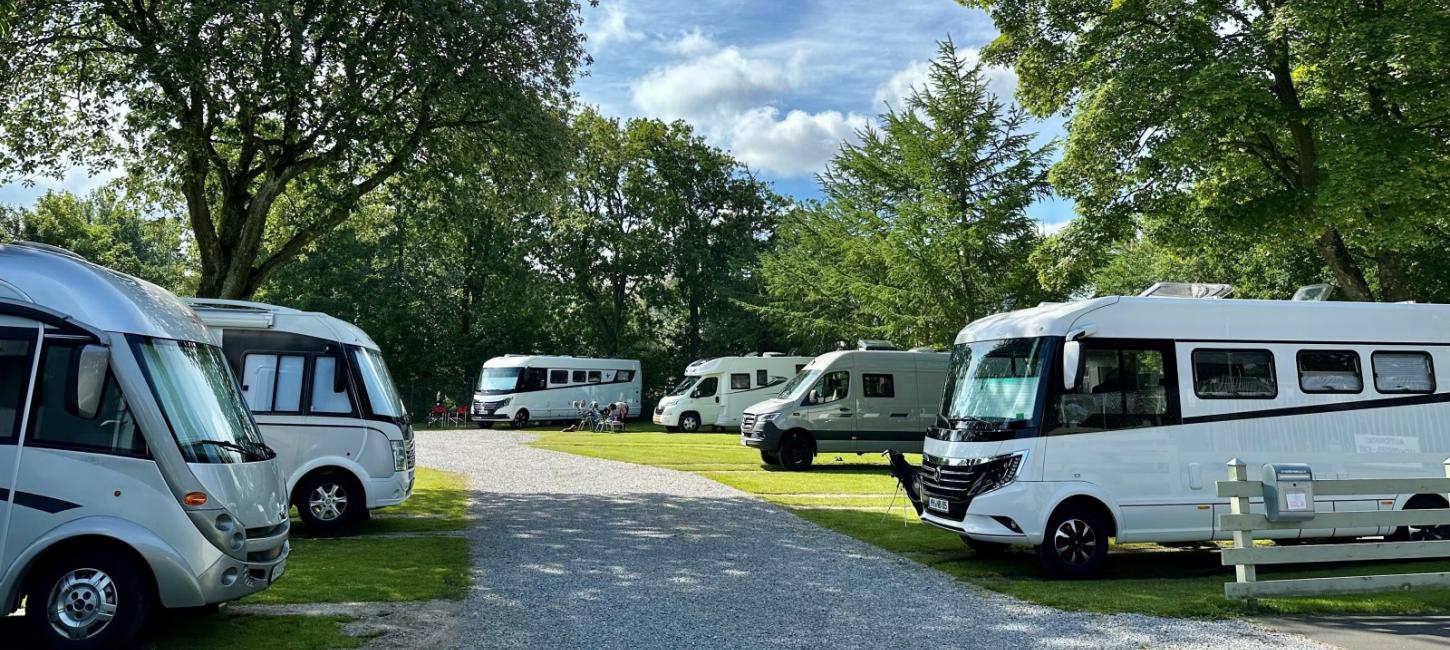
x,y
1314,292
751,354
923,348
1187,290
771,354
875,344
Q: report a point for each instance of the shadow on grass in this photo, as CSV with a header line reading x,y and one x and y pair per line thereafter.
x,y
188,629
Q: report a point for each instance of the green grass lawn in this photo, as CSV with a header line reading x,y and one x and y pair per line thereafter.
x,y
185,630
355,569
851,495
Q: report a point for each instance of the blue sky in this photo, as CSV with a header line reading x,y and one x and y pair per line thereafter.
x,y
780,83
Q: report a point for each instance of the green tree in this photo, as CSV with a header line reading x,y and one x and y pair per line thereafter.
x,y
107,228
924,224
1297,123
240,103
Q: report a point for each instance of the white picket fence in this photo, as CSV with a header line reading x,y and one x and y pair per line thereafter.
x,y
1245,557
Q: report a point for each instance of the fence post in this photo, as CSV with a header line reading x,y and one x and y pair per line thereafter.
x,y
1245,573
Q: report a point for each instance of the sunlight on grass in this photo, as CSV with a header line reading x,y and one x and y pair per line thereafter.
x,y
439,503
372,569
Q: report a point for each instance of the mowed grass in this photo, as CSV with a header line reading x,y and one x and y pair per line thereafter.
x,y
361,569
184,631
851,494
439,503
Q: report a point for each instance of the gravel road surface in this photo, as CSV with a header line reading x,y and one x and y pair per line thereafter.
x,y
579,552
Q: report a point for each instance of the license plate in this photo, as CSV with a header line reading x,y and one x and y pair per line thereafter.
x,y
938,504
277,572
659,420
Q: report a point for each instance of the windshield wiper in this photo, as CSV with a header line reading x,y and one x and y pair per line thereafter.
x,y
246,452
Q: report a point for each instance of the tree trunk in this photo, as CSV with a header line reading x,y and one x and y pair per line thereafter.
x,y
1394,286
1347,273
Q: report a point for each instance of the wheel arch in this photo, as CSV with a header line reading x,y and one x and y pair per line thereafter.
x,y
172,580
325,469
1085,500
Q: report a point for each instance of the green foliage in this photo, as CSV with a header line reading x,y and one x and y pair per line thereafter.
x,y
924,225
108,229
237,104
1303,124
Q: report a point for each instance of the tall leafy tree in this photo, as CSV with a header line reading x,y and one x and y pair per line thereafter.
x,y
924,225
1319,123
240,103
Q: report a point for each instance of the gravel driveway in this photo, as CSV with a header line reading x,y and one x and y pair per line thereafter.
x,y
581,552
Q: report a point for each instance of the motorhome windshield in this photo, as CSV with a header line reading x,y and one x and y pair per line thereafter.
x,y
201,401
683,386
496,381
993,383
796,388
382,394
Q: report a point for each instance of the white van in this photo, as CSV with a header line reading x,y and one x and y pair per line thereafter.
x,y
323,398
519,389
131,473
715,392
1068,424
848,401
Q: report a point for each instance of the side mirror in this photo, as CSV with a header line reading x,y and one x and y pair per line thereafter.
x,y
89,370
814,397
1071,364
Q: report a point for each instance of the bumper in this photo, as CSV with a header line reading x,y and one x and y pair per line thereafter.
x,y
501,415
390,491
764,436
230,578
991,517
667,419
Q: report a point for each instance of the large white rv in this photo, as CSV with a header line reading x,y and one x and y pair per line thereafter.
x,y
859,401
715,392
131,473
1067,424
320,392
519,389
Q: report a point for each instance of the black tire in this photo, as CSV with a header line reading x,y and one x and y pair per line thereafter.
x,y
690,422
521,419
796,452
483,424
985,549
1421,533
770,458
672,429
81,604
1075,544
329,503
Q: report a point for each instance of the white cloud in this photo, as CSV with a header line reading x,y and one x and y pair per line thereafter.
x,y
610,25
1001,82
691,43
709,90
799,144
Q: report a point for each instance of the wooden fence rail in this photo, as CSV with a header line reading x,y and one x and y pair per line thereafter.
x,y
1245,557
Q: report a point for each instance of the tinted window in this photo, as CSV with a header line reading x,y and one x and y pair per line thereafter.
x,y
707,388
535,379
878,385
1403,372
740,381
761,378
558,376
324,398
272,383
832,387
594,376
624,375
1329,371
15,365
113,430
1122,386
579,376
1234,374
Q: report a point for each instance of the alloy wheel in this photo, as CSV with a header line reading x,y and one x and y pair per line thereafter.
x,y
1075,541
82,603
327,502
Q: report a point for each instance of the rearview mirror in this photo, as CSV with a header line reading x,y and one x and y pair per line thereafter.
x,y
89,371
1071,364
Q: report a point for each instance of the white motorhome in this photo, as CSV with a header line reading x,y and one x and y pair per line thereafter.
x,y
1067,424
320,392
131,473
519,389
715,392
860,401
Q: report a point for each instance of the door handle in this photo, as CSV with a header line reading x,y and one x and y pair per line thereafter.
x,y
845,410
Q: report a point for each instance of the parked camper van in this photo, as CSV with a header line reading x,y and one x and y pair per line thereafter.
x,y
519,389
323,398
861,401
1067,424
715,392
133,474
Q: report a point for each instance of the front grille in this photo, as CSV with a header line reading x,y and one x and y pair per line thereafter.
x,y
267,555
478,408
659,410
959,484
412,454
266,531
747,423
948,480
493,406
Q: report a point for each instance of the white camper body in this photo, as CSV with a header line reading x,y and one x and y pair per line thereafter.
x,y
861,401
1066,424
132,473
715,392
518,389
320,392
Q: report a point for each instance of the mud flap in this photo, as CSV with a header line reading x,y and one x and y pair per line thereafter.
x,y
905,474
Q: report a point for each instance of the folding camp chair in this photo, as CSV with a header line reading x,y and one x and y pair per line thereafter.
x,y
438,416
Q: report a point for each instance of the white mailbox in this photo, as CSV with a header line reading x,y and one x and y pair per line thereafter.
x,y
1288,492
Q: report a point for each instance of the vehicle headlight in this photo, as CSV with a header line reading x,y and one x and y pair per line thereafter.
x,y
998,472
769,417
505,402
400,455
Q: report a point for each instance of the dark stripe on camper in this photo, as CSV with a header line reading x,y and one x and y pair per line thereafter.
x,y
39,502
1388,402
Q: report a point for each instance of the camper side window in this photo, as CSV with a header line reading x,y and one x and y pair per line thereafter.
x,y
112,431
1329,371
325,399
558,377
761,378
1403,372
1234,374
832,387
878,385
535,379
594,376
1123,385
273,383
15,364
579,377
624,375
707,387
739,381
